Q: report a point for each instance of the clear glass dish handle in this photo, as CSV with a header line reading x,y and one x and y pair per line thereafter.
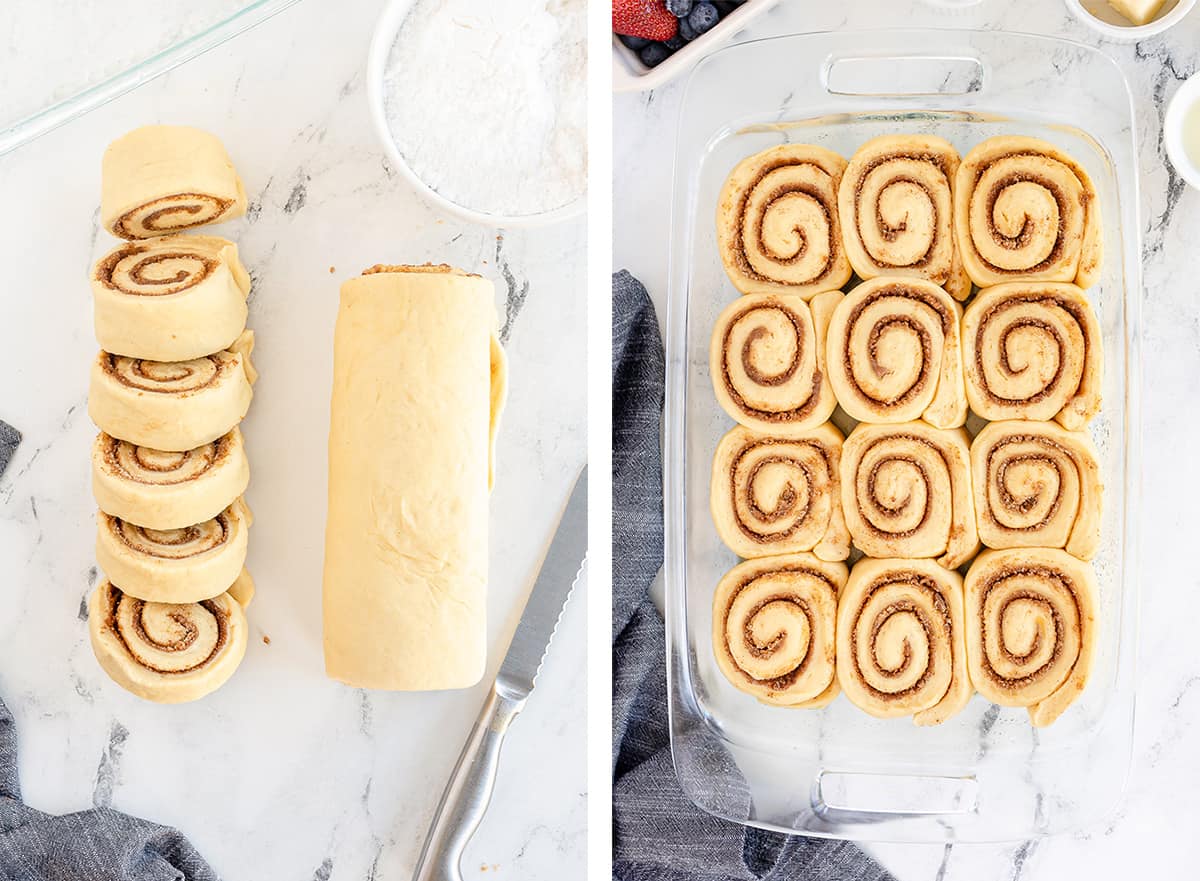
x,y
902,74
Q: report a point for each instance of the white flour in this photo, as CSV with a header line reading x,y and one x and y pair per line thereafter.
x,y
487,101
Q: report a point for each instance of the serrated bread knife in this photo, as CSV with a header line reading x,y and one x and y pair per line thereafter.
x,y
470,787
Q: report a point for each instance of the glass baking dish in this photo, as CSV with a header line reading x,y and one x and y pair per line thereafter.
x,y
987,774
110,48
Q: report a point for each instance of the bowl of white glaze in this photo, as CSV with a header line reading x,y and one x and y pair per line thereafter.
x,y
1181,131
387,30
1102,18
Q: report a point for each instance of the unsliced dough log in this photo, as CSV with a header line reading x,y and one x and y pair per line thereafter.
x,y
174,565
172,405
165,490
170,299
411,422
160,179
165,652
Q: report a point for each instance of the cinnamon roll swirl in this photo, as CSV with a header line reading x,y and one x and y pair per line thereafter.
x,y
164,490
172,405
1032,350
774,622
170,299
906,492
767,362
901,648
1037,485
174,565
1031,629
164,652
894,353
896,202
1025,210
777,222
160,179
775,495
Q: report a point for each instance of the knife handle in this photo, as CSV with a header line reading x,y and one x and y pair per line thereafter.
x,y
468,792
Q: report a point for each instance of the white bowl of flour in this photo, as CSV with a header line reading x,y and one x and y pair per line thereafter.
x,y
482,106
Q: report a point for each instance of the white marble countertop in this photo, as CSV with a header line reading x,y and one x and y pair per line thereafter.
x,y
282,773
1150,836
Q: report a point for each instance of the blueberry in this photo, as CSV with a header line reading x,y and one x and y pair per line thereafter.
x,y
679,8
654,54
675,42
686,32
703,17
725,6
637,44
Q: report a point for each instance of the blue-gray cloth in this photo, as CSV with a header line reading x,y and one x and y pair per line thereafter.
x,y
9,439
96,845
658,834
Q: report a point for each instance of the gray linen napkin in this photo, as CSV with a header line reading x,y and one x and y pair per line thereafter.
x,y
9,439
658,834
96,845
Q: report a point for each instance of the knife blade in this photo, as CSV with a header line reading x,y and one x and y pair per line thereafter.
x,y
556,579
470,787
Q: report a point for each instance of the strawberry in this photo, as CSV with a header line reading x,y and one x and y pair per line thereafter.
x,y
648,19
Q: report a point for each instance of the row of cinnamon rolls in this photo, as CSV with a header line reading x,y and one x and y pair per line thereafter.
x,y
798,218
168,391
904,637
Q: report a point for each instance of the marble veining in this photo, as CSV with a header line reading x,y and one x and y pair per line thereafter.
x,y
283,773
1143,838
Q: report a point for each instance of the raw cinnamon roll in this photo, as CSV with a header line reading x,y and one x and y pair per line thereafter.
x,y
172,405
1037,485
775,495
161,179
906,492
774,622
1031,629
901,648
1032,350
767,361
1023,209
164,652
896,202
174,565
164,490
777,222
170,299
894,353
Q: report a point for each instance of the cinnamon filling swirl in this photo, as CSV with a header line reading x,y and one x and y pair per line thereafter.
x,y
171,213
173,544
162,468
166,377
166,638
142,269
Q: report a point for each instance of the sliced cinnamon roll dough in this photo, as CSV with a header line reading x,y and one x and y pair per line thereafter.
x,y
777,222
175,565
170,299
906,492
1033,350
901,647
774,628
160,179
173,406
1031,629
164,652
896,202
895,354
168,490
1025,210
767,362
780,495
1037,485
417,384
